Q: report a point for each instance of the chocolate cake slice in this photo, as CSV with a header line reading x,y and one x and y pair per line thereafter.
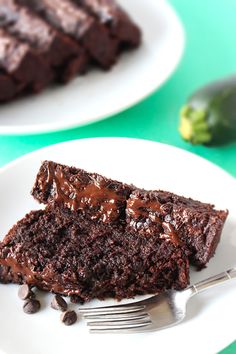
x,y
77,23
57,250
117,20
185,221
59,56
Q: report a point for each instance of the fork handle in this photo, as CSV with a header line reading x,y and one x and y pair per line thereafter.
x,y
213,281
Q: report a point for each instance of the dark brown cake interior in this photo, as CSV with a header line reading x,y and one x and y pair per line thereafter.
x,y
58,251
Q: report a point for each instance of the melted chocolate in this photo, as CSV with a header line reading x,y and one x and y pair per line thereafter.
x,y
138,208
141,210
79,196
170,234
18,268
90,193
44,280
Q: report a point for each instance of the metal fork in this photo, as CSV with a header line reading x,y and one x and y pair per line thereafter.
x,y
155,313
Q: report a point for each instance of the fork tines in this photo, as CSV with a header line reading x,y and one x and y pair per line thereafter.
x,y
116,319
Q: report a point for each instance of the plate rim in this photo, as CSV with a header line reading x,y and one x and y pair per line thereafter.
x,y
25,156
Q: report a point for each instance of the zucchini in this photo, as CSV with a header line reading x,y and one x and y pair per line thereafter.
x,y
209,117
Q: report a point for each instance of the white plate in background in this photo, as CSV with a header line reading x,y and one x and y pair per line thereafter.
x,y
210,324
99,94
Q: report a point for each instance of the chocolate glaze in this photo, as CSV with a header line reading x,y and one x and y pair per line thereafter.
x,y
44,281
19,268
78,196
142,214
170,234
138,208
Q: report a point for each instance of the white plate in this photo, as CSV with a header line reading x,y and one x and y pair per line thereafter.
x,y
210,324
98,94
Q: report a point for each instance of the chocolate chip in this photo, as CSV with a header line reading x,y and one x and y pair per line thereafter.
x,y
58,303
31,306
25,292
69,317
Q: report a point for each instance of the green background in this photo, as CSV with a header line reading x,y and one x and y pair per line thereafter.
x,y
210,54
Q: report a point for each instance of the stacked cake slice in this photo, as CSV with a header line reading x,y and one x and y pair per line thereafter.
x,y
99,238
56,40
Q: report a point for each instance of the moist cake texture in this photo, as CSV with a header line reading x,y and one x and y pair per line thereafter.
x,y
60,252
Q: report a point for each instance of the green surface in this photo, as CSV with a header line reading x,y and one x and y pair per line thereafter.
x,y
230,350
210,54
